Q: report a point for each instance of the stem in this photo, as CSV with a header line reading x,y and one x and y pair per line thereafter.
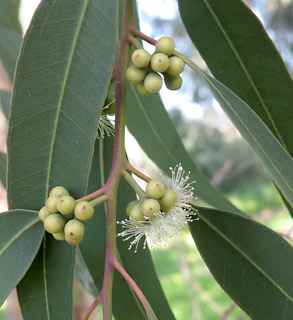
x,y
109,190
137,172
135,32
141,194
93,306
135,42
98,200
94,195
150,313
118,164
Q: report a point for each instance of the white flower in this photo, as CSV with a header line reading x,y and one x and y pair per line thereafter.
x,y
163,227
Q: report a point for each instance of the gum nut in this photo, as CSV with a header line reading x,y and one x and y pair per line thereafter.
x,y
54,223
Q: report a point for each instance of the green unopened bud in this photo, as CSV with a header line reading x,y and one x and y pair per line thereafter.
x,y
59,191
155,189
65,204
136,213
150,207
176,66
173,83
130,206
140,58
59,236
153,82
168,200
51,204
142,90
84,210
74,229
165,45
54,223
44,213
134,74
73,242
159,62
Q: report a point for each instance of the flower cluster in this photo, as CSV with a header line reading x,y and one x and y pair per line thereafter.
x,y
165,224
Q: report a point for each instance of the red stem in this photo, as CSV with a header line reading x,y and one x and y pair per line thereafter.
x,y
137,172
95,194
119,164
93,306
136,289
135,32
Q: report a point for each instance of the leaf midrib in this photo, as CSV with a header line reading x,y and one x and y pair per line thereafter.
x,y
67,71
226,36
245,256
18,234
252,136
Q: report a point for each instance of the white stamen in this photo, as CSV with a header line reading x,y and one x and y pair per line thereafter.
x,y
163,227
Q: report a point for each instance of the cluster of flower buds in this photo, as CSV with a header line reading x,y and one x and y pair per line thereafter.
x,y
159,199
147,70
62,216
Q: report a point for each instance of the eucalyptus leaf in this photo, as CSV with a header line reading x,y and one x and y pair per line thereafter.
x,y
10,42
46,290
150,124
251,263
21,234
136,264
58,94
240,54
3,168
59,90
5,97
274,157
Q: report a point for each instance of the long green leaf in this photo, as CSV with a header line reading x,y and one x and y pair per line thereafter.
x,y
138,265
3,167
58,93
20,238
10,42
152,127
251,263
59,90
46,290
5,97
9,15
275,158
240,54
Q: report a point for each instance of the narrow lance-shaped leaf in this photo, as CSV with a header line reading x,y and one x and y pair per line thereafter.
x,y
138,265
239,53
161,142
274,157
58,94
251,263
20,238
